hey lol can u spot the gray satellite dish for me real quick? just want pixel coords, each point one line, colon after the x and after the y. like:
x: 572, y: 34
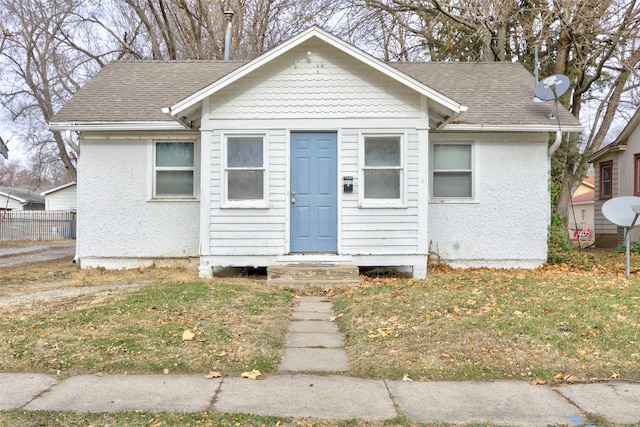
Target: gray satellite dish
x: 550, y: 88
x: 623, y: 211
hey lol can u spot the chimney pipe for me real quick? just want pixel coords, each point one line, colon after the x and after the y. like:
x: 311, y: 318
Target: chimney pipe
x: 227, y: 38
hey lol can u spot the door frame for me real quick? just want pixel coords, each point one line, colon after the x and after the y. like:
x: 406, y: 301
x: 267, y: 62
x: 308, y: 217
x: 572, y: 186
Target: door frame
x: 287, y: 200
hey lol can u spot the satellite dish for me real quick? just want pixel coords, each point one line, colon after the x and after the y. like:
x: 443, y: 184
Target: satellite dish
x: 621, y: 210
x: 552, y: 87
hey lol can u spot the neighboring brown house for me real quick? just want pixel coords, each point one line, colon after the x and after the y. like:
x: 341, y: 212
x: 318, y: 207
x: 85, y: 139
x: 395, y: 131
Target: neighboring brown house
x: 617, y: 173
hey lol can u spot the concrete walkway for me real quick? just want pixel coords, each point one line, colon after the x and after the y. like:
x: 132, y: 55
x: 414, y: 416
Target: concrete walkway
x: 314, y: 343
x: 307, y: 386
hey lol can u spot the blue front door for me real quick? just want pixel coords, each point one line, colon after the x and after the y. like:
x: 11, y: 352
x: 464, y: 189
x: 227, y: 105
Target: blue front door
x: 314, y: 199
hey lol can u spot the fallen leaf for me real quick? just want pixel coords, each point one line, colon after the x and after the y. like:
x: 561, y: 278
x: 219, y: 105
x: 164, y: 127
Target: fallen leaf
x: 615, y: 375
x: 165, y: 371
x: 254, y: 374
x: 537, y: 381
x: 333, y: 318
x: 406, y: 378
x: 213, y: 374
x: 188, y: 335
x: 99, y: 374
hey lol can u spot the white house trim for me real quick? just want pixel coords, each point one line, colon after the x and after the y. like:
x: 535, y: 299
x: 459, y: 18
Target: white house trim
x: 116, y: 126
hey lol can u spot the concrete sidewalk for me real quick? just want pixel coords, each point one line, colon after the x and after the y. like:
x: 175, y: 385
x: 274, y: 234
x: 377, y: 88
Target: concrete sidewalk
x: 514, y: 403
x: 308, y: 386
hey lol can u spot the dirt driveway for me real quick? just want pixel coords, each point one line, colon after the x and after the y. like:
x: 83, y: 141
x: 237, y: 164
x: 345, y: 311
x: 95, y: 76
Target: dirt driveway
x: 22, y: 253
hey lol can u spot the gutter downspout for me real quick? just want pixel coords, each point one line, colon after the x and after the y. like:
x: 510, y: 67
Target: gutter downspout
x: 556, y: 143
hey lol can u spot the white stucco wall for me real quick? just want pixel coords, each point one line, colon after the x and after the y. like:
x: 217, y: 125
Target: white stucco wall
x: 506, y: 224
x: 119, y: 225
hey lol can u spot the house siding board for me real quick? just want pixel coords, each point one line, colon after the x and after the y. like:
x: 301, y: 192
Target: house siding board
x: 64, y: 199
x: 249, y: 231
x: 504, y: 226
x: 130, y: 226
x: 9, y: 203
x: 330, y: 85
x: 608, y: 234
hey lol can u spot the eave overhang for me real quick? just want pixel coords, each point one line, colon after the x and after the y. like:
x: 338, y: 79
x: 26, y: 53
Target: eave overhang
x: 117, y: 126
x: 609, y: 149
x: 457, y: 127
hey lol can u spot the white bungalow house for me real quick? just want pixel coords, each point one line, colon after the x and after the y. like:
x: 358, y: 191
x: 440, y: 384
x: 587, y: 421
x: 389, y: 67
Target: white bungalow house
x: 617, y: 173
x: 314, y: 152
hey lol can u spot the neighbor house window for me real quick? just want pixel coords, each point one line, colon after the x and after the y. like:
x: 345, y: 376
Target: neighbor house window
x: 174, y: 169
x: 245, y: 171
x: 636, y: 174
x: 606, y: 180
x: 452, y: 171
x: 382, y: 168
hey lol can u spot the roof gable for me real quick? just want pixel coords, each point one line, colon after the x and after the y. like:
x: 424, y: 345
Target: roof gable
x: 445, y: 108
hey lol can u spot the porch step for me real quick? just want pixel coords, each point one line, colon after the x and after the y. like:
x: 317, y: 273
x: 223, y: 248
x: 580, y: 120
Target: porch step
x: 307, y: 276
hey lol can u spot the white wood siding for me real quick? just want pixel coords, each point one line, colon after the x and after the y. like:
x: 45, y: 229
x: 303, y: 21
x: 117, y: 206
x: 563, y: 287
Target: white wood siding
x: 378, y: 230
x: 9, y: 203
x: 246, y: 231
x: 318, y: 84
x: 362, y: 231
x: 313, y: 88
x: 62, y: 200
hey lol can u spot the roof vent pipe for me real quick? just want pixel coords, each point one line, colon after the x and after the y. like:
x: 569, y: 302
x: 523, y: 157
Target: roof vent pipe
x: 227, y: 37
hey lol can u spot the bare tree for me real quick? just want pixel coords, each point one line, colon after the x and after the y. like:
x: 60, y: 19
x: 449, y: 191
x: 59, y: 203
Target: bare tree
x: 47, y: 54
x: 195, y: 29
x: 594, y: 42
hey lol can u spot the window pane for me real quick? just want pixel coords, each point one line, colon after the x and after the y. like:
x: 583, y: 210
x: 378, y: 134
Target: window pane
x: 245, y: 185
x: 244, y: 152
x: 174, y: 183
x: 451, y: 156
x: 382, y: 151
x: 382, y: 184
x: 174, y: 154
x: 452, y: 184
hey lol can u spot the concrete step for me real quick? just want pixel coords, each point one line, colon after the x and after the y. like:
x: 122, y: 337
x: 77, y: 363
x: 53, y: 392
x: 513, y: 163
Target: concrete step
x: 307, y: 276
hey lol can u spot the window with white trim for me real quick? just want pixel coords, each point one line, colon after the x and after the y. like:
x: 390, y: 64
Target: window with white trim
x: 452, y: 171
x: 245, y: 173
x: 383, y: 168
x: 174, y: 170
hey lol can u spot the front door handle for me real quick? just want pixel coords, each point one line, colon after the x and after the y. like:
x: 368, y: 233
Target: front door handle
x: 293, y: 201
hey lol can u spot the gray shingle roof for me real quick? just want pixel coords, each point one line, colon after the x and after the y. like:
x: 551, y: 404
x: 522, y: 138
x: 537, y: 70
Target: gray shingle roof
x: 23, y: 196
x: 138, y: 90
x: 496, y: 93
